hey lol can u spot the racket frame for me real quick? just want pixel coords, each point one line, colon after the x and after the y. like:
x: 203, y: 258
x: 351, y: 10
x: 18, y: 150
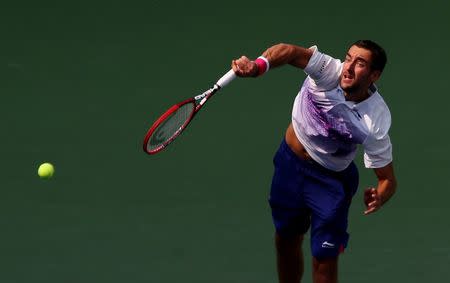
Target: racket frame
x: 198, y: 102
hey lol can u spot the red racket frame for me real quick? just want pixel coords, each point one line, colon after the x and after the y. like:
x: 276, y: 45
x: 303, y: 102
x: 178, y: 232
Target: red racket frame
x: 198, y: 101
x: 167, y: 114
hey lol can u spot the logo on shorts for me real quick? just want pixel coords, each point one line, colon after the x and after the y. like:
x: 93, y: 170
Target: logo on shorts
x: 327, y: 245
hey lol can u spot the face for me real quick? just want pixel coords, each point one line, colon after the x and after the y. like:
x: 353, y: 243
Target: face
x: 356, y: 73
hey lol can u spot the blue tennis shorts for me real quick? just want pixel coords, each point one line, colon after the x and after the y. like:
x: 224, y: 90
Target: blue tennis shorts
x: 305, y: 194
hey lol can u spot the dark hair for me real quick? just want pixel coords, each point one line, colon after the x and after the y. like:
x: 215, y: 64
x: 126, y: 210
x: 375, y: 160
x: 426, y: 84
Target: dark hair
x: 379, y: 58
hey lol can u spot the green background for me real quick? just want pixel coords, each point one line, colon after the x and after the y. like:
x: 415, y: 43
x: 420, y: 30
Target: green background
x: 80, y: 83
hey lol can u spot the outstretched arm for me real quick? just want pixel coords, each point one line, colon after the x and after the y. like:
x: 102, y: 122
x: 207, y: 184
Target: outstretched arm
x: 277, y: 55
x: 374, y: 198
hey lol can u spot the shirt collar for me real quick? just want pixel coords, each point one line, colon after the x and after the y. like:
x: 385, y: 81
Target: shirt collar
x: 372, y: 90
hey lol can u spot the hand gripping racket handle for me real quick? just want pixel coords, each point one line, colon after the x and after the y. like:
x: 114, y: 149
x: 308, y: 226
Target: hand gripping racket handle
x: 226, y: 79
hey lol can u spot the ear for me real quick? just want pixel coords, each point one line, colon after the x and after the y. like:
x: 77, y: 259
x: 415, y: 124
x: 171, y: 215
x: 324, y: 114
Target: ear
x: 375, y: 75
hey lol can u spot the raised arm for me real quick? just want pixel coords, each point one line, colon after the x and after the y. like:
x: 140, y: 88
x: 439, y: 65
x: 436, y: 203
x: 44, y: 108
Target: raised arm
x: 276, y: 55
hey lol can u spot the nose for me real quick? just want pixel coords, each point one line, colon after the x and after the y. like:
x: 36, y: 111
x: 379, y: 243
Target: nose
x: 350, y: 67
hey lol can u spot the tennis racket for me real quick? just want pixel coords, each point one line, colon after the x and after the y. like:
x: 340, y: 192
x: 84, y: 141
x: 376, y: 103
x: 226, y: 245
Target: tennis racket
x: 172, y: 123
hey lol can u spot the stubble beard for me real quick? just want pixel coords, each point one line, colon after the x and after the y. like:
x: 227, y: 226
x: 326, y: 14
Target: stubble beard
x: 353, y: 88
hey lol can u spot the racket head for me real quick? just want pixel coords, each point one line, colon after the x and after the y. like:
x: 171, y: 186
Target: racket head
x: 169, y: 126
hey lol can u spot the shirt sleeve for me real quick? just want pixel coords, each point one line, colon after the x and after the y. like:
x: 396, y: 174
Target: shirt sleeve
x: 378, y: 147
x: 323, y: 69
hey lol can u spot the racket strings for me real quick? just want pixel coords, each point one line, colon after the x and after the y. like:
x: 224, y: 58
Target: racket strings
x: 171, y: 126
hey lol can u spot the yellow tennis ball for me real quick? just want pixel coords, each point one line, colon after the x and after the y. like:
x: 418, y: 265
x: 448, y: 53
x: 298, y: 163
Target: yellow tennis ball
x: 46, y: 170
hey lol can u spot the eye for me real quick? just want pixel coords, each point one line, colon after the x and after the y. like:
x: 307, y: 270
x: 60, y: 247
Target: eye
x: 361, y: 64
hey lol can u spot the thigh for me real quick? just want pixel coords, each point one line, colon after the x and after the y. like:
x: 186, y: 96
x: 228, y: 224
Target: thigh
x: 350, y: 180
x: 329, y: 202
x: 288, y: 180
x: 289, y: 213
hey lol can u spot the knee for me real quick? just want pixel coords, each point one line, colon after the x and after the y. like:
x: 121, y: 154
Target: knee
x: 325, y: 268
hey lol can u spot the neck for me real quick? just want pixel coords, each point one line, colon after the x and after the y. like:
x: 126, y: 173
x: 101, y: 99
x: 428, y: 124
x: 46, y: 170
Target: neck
x: 357, y: 96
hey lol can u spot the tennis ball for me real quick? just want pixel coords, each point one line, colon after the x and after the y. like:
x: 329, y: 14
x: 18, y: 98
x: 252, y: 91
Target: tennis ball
x: 46, y: 170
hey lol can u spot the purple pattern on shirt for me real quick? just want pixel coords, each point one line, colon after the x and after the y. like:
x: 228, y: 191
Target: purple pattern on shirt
x: 319, y: 122
x: 328, y: 124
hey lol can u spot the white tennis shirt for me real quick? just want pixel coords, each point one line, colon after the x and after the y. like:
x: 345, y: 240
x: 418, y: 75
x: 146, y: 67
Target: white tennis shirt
x: 330, y: 128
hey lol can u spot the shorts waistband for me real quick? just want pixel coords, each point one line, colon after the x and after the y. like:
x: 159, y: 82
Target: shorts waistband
x: 307, y: 162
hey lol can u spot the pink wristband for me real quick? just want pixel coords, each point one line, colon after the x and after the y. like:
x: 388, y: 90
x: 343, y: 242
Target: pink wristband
x: 263, y: 65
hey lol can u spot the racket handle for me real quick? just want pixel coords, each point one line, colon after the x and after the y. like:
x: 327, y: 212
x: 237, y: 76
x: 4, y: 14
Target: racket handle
x: 226, y: 79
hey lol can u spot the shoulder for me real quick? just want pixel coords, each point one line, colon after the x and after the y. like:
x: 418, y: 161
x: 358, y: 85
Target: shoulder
x: 323, y: 70
x: 381, y: 107
x: 321, y: 63
x: 379, y: 116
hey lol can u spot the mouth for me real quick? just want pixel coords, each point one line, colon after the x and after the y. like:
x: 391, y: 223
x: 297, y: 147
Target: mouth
x: 347, y: 78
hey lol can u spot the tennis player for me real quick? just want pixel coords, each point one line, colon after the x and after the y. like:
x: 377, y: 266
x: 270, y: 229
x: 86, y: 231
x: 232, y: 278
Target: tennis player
x: 315, y: 178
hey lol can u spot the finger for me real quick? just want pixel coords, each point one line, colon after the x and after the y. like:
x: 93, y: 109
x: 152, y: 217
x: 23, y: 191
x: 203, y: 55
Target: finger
x: 245, y: 59
x: 373, y: 204
x: 368, y: 197
x: 368, y: 191
x: 236, y: 68
x: 233, y: 65
x: 370, y: 210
